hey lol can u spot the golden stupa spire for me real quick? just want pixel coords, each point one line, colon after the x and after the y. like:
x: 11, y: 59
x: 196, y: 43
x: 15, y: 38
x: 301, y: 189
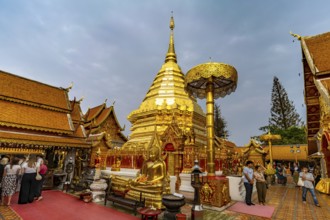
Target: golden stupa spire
x: 171, y: 56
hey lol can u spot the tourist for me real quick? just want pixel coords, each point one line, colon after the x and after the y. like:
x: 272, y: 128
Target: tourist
x: 42, y: 171
x: 279, y: 174
x: 3, y: 163
x: 9, y: 180
x: 261, y: 183
x: 22, y: 162
x: 285, y: 174
x: 248, y: 181
x: 308, y: 179
x: 28, y: 184
x: 295, y: 174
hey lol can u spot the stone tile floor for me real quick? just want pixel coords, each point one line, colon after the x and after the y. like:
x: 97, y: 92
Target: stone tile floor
x: 286, y: 199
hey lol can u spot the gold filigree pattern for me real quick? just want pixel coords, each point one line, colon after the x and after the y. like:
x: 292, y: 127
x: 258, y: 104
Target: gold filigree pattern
x: 224, y: 79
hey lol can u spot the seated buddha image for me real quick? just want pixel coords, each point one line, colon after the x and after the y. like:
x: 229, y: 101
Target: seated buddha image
x: 153, y: 181
x: 153, y: 171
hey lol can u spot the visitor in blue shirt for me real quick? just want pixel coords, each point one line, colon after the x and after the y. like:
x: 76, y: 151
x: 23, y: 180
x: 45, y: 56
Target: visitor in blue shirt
x: 248, y: 181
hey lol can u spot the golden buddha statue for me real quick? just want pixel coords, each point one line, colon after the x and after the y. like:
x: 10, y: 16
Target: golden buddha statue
x: 116, y: 165
x: 152, y: 181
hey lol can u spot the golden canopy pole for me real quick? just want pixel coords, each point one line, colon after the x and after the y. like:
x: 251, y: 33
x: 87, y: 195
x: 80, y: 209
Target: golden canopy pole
x: 270, y: 151
x: 270, y: 137
x: 210, y: 127
x: 211, y: 81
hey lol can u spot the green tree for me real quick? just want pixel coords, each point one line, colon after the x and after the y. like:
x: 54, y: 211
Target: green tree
x: 283, y: 112
x: 220, y: 124
x: 291, y: 135
x: 284, y: 119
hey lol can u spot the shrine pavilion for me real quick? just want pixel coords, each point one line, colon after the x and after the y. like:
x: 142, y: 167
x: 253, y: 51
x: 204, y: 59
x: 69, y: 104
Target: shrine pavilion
x: 104, y: 132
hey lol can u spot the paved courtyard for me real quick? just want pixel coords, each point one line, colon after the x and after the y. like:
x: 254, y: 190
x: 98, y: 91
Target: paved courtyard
x: 287, y: 201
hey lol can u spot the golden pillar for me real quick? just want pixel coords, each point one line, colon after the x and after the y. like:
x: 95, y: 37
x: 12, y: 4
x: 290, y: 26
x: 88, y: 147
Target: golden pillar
x: 211, y: 81
x: 270, y: 137
x: 210, y: 127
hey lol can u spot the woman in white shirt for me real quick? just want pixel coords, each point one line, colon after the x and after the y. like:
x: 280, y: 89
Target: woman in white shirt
x: 9, y: 180
x: 28, y: 184
x: 261, y: 183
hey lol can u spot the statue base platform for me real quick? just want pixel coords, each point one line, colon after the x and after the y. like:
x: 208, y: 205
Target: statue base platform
x: 132, y: 174
x: 185, y: 183
x: 237, y: 189
x: 126, y: 173
x: 215, y: 191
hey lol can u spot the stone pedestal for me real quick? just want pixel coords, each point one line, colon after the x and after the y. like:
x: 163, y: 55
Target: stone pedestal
x: 98, y: 188
x: 186, y: 183
x: 215, y: 191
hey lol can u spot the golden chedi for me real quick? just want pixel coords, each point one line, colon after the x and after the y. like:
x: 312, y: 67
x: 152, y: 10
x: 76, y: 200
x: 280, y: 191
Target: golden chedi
x: 153, y: 180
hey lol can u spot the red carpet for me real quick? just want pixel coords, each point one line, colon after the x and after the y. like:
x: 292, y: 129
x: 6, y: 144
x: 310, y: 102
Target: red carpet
x: 258, y: 210
x: 57, y: 205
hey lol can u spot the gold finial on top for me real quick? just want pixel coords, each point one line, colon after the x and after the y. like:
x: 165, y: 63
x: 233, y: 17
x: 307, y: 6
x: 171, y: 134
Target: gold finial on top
x: 171, y: 51
x: 172, y: 22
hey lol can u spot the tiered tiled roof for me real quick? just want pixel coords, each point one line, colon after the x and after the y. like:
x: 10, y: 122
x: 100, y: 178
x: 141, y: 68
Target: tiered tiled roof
x: 31, y: 92
x: 33, y: 118
x: 96, y: 117
x: 76, y: 113
x: 38, y: 114
x: 92, y: 113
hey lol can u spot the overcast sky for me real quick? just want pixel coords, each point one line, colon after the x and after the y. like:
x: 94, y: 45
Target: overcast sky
x: 114, y: 49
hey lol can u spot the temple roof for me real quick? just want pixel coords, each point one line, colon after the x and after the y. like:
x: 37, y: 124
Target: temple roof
x: 318, y: 47
x: 92, y: 113
x: 97, y: 116
x: 42, y: 139
x: 32, y: 118
x: 316, y: 67
x: 76, y: 113
x: 19, y: 89
x: 34, y: 113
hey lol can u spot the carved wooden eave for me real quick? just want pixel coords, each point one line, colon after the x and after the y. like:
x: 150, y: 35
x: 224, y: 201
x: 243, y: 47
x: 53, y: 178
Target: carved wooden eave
x: 311, y: 91
x: 95, y: 139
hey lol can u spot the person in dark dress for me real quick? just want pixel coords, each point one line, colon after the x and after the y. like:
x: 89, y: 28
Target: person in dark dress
x: 42, y: 171
x: 28, y: 184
